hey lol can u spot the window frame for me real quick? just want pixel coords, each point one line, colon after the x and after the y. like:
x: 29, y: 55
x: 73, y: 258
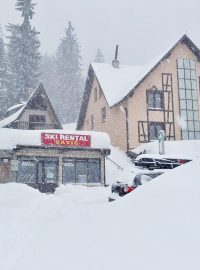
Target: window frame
x: 103, y: 115
x: 155, y: 124
x: 188, y: 97
x: 77, y: 162
x: 153, y: 93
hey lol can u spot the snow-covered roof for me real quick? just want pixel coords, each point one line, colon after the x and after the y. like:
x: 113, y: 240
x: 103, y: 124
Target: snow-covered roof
x: 14, y: 117
x: 15, y: 106
x: 6, y: 121
x: 10, y: 138
x: 116, y: 82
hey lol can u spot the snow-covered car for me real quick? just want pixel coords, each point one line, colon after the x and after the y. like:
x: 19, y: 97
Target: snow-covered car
x: 160, y: 161
x: 119, y: 189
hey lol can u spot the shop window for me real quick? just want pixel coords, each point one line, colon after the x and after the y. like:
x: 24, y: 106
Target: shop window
x: 93, y: 171
x: 154, y: 128
x: 155, y: 99
x: 81, y: 171
x: 103, y: 115
x: 27, y: 171
x: 39, y: 170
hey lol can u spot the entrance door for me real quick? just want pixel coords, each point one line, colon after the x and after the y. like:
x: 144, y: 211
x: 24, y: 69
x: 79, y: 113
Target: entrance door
x: 48, y: 171
x: 69, y: 172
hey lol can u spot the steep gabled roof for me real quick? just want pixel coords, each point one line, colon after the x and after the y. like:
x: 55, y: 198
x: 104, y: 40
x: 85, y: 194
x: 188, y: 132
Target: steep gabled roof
x: 16, y: 116
x: 118, y: 84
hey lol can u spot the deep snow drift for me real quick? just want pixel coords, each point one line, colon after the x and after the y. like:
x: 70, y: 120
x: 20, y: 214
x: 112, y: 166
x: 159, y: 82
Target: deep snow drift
x: 155, y: 227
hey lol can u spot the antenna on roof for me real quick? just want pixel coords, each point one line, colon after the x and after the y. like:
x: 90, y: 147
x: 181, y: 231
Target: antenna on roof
x: 115, y: 62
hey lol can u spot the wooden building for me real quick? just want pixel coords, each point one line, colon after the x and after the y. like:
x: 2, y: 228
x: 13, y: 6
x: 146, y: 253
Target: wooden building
x: 133, y: 103
x: 36, y: 113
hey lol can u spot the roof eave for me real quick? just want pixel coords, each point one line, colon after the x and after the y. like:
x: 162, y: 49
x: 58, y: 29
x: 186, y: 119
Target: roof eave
x: 184, y: 38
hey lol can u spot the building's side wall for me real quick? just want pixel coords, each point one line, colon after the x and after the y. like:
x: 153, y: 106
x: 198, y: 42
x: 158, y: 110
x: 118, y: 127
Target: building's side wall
x: 115, y: 123
x: 137, y: 106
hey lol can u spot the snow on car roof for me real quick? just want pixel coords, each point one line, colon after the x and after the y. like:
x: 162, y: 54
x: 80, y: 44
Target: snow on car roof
x: 188, y: 149
x: 10, y: 138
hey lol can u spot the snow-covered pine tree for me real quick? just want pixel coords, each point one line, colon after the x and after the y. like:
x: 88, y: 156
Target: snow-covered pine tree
x: 3, y: 76
x: 48, y: 75
x: 99, y: 58
x: 69, y: 78
x: 23, y: 51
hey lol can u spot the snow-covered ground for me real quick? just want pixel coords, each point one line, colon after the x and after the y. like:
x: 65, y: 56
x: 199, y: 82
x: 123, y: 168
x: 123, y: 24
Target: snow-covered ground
x: 155, y: 227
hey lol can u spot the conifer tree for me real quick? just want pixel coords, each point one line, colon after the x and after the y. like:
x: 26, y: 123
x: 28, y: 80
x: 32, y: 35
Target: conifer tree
x: 69, y: 78
x: 99, y: 58
x: 23, y: 51
x: 3, y: 76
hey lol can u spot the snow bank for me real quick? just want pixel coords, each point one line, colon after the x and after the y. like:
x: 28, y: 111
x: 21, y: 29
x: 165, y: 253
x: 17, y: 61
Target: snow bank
x: 9, y: 138
x: 119, y: 166
x: 179, y: 149
x: 154, y: 227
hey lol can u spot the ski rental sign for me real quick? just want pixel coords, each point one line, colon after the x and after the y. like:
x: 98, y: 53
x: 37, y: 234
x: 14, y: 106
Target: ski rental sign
x: 67, y: 140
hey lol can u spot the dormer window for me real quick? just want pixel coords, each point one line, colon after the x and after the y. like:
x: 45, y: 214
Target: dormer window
x: 155, y: 99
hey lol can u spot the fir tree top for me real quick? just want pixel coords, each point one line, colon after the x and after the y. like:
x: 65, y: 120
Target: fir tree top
x: 99, y: 58
x: 26, y: 7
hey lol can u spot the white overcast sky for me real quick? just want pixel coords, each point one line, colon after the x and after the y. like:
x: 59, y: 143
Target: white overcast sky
x: 142, y: 28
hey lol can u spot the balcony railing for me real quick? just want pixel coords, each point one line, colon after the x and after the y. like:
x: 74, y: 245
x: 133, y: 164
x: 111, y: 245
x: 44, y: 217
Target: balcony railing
x: 33, y: 125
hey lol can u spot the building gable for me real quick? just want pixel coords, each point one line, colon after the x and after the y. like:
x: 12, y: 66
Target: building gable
x: 37, y: 113
x: 127, y: 87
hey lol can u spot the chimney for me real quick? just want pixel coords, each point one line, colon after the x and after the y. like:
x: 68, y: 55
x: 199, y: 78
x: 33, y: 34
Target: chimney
x: 115, y: 62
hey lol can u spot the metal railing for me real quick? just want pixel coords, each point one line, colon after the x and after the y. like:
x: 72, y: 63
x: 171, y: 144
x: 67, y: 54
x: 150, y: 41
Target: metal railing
x: 119, y: 167
x: 33, y: 125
